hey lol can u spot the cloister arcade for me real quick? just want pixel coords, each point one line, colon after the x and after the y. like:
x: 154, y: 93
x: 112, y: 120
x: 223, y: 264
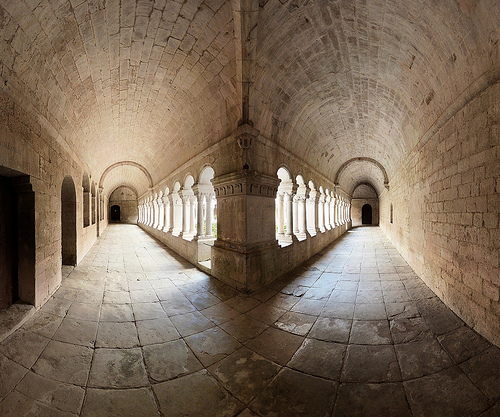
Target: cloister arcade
x: 188, y: 209
x: 303, y: 211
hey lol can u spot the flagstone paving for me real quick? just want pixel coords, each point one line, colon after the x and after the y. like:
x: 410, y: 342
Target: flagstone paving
x: 135, y: 330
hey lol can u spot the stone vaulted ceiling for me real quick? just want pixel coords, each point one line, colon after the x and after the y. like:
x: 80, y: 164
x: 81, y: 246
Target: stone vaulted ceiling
x: 156, y: 82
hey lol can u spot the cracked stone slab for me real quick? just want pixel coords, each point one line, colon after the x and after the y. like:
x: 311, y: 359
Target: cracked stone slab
x: 206, y: 397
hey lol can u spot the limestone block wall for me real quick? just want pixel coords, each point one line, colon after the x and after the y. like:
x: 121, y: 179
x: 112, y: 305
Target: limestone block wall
x: 31, y: 148
x: 446, y: 204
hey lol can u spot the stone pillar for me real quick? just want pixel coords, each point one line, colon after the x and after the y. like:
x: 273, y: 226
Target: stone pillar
x: 287, y: 200
x: 161, y: 213
x: 156, y: 207
x: 192, y: 217
x: 186, y: 214
x: 327, y: 212
x: 86, y: 208
x: 337, y: 205
x: 321, y: 213
x: 177, y: 215
x: 295, y: 215
x: 332, y: 211
x: 244, y: 254
x: 209, y: 214
x: 312, y: 213
x: 167, y: 225
x: 201, y: 198
x: 279, y: 211
x: 302, y: 215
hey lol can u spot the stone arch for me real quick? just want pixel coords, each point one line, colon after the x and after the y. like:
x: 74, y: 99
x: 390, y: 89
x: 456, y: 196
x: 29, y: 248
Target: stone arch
x: 93, y: 204
x: 362, y: 159
x: 86, y: 199
x: 122, y: 163
x: 207, y: 205
x: 68, y: 221
x: 367, y: 184
x: 206, y: 174
x: 177, y: 209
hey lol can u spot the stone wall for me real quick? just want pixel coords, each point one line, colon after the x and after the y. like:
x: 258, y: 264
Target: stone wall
x: 32, y: 150
x: 446, y: 200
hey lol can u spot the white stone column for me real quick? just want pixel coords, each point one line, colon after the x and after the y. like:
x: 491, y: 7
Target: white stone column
x: 287, y: 201
x: 177, y: 215
x: 332, y: 211
x: 166, y: 214
x: 186, y: 214
x: 295, y: 215
x: 279, y: 214
x: 321, y: 213
x: 312, y: 213
x: 302, y: 217
x: 337, y: 211
x: 192, y: 217
x: 161, y: 213
x: 156, y: 209
x: 201, y: 198
x: 327, y: 212
x: 209, y: 215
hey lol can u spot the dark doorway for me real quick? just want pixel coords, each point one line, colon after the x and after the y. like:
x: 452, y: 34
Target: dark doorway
x: 68, y: 221
x: 366, y: 214
x: 115, y: 213
x: 8, y: 244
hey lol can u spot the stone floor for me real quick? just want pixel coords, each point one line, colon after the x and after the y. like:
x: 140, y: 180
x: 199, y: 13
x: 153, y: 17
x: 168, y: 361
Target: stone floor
x: 134, y: 330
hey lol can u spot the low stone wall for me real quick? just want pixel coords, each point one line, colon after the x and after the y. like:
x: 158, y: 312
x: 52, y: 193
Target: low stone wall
x: 270, y: 263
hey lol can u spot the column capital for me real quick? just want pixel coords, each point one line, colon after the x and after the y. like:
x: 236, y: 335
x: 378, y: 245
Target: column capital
x: 245, y: 182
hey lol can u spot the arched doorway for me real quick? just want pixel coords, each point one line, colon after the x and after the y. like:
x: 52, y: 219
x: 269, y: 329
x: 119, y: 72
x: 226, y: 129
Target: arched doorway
x: 68, y: 221
x: 8, y: 244
x: 115, y: 213
x: 366, y: 214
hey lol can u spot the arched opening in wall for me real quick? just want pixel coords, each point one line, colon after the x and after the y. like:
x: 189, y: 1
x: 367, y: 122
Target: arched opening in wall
x: 17, y: 238
x: 311, y: 219
x: 366, y: 214
x: 299, y: 204
x: 206, y: 216
x: 93, y: 214
x: 284, y: 208
x: 123, y: 205
x: 68, y: 221
x: 190, y: 205
x: 115, y: 213
x: 8, y: 243
x: 86, y: 199
x: 177, y: 210
x: 364, y: 194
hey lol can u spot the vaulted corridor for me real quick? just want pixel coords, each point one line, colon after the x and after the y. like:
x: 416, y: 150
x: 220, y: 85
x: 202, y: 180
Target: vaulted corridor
x: 134, y: 330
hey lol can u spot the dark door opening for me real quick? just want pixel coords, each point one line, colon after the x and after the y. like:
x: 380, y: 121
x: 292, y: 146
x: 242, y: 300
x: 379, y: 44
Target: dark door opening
x: 8, y: 244
x: 366, y: 214
x: 68, y: 221
x: 115, y: 213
